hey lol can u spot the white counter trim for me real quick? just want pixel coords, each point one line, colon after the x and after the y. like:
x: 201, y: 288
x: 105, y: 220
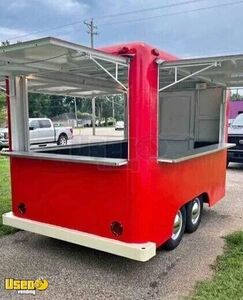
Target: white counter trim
x: 116, y: 162
x: 202, y: 151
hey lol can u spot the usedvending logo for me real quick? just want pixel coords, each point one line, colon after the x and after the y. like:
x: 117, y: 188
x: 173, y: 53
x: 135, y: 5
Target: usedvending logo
x: 24, y: 286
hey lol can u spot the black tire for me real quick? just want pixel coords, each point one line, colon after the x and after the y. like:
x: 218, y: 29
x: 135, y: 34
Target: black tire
x: 62, y: 140
x: 175, y: 239
x: 194, y: 214
x: 1, y: 148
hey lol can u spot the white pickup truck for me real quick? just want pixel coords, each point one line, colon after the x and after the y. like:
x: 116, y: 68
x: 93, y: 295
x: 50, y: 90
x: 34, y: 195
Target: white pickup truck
x: 42, y: 132
x: 235, y: 136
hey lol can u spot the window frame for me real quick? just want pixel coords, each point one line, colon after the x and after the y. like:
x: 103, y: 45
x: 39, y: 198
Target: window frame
x: 21, y: 148
x: 44, y: 120
x: 30, y: 125
x: 205, y: 150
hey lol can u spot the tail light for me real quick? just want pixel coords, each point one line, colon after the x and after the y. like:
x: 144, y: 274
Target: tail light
x: 71, y: 130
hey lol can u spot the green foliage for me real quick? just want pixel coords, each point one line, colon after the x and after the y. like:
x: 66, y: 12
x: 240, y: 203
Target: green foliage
x: 236, y: 97
x: 5, y: 43
x: 5, y: 203
x: 49, y: 106
x: 3, y: 115
x: 106, y: 107
x: 228, y: 280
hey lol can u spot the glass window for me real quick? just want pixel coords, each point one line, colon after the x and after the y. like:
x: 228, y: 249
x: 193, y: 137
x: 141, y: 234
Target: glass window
x: 34, y: 124
x: 79, y: 126
x: 45, y: 123
x: 238, y: 120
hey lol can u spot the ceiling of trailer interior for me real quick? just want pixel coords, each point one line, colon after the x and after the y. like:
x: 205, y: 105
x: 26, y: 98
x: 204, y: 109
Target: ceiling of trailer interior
x: 226, y: 71
x: 53, y: 66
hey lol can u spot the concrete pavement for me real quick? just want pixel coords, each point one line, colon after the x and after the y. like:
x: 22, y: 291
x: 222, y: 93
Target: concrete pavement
x: 76, y: 272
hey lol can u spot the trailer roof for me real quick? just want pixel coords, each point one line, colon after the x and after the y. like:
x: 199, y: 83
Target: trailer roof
x: 225, y: 71
x: 58, y: 67
x: 54, y: 66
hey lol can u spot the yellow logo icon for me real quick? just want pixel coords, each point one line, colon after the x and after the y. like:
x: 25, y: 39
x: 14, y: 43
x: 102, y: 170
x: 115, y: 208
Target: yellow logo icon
x: 24, y: 286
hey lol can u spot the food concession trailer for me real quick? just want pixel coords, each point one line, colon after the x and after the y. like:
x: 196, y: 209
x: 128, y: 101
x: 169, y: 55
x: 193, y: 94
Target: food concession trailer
x: 125, y: 197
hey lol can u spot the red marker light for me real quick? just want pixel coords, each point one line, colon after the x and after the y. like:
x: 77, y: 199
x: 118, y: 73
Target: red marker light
x: 124, y: 50
x: 155, y: 52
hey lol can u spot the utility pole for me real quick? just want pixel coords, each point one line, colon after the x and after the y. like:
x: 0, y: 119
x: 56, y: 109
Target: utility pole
x: 75, y: 109
x: 93, y: 115
x: 113, y: 108
x: 92, y: 30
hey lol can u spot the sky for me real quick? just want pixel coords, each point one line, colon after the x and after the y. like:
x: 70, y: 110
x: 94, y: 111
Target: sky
x: 186, y: 30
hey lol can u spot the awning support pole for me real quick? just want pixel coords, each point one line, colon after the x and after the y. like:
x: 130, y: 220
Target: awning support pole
x: 223, y: 108
x: 109, y: 73
x: 203, y: 78
x: 116, y: 71
x: 75, y: 109
x: 93, y: 115
x: 186, y: 77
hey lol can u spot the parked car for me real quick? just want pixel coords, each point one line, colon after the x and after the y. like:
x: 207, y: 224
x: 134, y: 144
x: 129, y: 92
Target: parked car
x: 42, y: 131
x: 235, y: 136
x: 99, y: 123
x: 119, y: 125
x: 230, y: 121
x: 3, y: 138
x: 84, y: 123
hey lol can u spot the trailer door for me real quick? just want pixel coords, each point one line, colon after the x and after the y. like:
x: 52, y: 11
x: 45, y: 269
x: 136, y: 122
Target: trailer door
x: 176, y: 130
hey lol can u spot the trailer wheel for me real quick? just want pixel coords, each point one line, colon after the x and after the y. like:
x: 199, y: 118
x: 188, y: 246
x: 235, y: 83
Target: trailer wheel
x: 62, y: 140
x: 194, y: 214
x: 178, y: 230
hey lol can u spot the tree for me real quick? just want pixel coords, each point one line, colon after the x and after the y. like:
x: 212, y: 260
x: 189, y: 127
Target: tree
x: 236, y: 96
x: 48, y: 106
x: 5, y: 43
x: 3, y: 110
x: 112, y: 106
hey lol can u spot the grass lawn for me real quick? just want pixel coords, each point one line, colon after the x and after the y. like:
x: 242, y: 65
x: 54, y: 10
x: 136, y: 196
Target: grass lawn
x: 5, y: 204
x: 228, y: 280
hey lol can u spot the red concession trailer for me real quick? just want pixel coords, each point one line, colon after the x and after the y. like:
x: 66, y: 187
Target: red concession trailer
x: 126, y: 197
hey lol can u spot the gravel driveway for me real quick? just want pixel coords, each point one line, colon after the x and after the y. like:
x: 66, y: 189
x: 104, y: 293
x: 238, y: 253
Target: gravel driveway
x: 76, y: 272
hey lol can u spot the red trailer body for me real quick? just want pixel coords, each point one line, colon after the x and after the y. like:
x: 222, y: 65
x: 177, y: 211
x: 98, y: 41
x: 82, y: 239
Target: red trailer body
x: 142, y: 196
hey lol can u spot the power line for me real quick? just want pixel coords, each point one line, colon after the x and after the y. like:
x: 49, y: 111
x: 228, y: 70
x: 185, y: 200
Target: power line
x: 151, y: 8
x: 134, y: 12
x: 173, y: 13
x: 92, y: 30
x: 162, y: 15
x: 109, y: 16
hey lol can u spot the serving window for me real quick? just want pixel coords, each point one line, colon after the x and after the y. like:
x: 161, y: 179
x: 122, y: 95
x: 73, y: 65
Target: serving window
x: 65, y: 101
x: 191, y: 111
x: 94, y: 127
x: 189, y: 120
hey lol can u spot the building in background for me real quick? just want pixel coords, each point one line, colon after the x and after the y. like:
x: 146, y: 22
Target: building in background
x: 235, y: 108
